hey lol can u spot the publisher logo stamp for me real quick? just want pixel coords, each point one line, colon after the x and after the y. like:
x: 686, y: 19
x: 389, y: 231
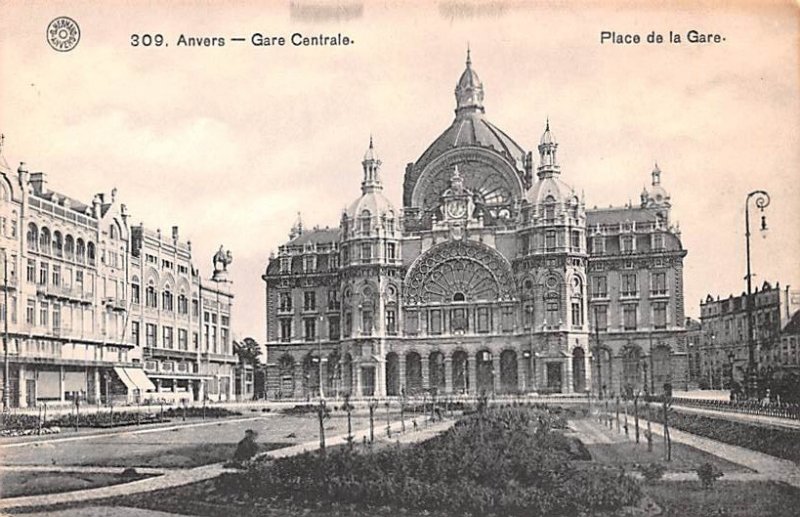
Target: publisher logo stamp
x: 63, y: 34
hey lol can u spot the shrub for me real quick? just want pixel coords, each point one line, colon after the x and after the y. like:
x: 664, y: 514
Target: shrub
x: 708, y: 474
x: 652, y: 472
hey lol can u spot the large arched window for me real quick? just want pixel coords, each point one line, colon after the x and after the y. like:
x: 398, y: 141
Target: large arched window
x: 167, y: 299
x: 90, y: 254
x: 44, y: 240
x: 80, y: 251
x: 58, y: 244
x: 183, y: 304
x: 151, y: 298
x: 32, y: 237
x: 69, y: 247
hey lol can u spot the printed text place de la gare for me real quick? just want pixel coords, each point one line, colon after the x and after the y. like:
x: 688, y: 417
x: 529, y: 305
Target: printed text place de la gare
x: 691, y: 36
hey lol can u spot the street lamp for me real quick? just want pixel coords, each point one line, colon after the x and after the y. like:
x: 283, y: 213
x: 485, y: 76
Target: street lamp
x: 761, y: 201
x: 531, y: 365
x: 599, y: 357
x: 319, y: 349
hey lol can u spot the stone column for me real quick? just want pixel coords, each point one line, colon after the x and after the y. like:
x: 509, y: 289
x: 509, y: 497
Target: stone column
x: 425, y: 372
x: 22, y: 390
x: 496, y: 373
x: 95, y: 386
x: 448, y: 374
x: 472, y: 374
x: 587, y: 368
x: 380, y: 377
x: 201, y: 390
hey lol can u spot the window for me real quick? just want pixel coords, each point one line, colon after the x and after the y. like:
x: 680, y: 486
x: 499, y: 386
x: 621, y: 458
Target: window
x: 286, y: 330
x: 183, y: 304
x: 508, y: 319
x: 599, y: 287
x: 348, y: 323
x: 79, y: 280
x: 309, y: 263
x: 550, y: 241
x: 151, y: 297
x: 626, y: 244
x: 391, y: 322
x: 598, y: 244
x: 56, y: 317
x: 629, y: 316
x: 310, y: 329
x: 629, y: 284
x: 167, y: 331
x: 286, y: 265
x: 435, y: 321
x: 150, y: 334
x: 30, y: 312
x: 166, y: 264
x: 575, y: 240
x: 366, y: 322
x: 333, y: 327
x: 285, y: 302
x: 43, y: 273
x: 577, y: 313
x: 136, y: 294
x: 43, y: 313
x: 658, y: 283
x: 309, y: 301
x: 601, y: 318
x: 167, y: 300
x: 56, y: 275
x: 32, y: 237
x: 550, y: 212
x: 552, y: 310
x: 195, y: 308
x: 31, y: 271
x: 458, y: 320
x: 333, y: 300
x: 484, y: 324
x: 135, y: 333
x: 365, y: 222
x: 366, y: 252
x: 195, y: 340
x: 390, y: 253
x: 660, y: 316
x: 527, y: 315
x: 412, y: 323
x: 657, y: 241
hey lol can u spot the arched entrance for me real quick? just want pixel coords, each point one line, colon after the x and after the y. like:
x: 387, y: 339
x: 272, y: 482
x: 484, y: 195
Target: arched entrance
x: 508, y: 372
x: 484, y: 372
x: 436, y: 371
x: 578, y: 370
x: 460, y: 375
x: 392, y: 374
x: 286, y: 376
x: 631, y: 374
x: 413, y: 373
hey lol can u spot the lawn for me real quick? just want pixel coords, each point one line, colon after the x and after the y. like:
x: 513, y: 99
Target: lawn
x: 728, y: 498
x: 181, y: 457
x: 684, y: 458
x: 25, y: 483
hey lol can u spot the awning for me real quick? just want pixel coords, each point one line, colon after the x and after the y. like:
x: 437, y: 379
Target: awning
x: 134, y: 379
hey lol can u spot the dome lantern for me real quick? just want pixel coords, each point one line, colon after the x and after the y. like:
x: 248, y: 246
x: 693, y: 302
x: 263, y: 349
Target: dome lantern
x: 469, y: 90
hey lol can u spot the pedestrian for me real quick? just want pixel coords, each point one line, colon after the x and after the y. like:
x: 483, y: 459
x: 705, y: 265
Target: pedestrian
x: 246, y: 448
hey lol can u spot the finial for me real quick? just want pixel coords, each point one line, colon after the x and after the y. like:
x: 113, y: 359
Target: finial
x: 547, y: 125
x: 469, y: 59
x: 370, y: 140
x: 2, y: 139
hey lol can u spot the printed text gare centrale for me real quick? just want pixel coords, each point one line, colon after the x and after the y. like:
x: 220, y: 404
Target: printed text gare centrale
x: 259, y: 39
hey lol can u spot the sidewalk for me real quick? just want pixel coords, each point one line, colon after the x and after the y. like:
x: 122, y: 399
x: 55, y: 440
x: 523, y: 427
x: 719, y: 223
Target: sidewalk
x: 172, y: 478
x: 786, y: 423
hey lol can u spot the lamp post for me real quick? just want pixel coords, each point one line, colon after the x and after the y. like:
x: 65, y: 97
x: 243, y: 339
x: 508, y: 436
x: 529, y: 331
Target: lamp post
x: 599, y: 357
x: 6, y: 383
x: 761, y: 201
x: 319, y: 350
x: 531, y: 365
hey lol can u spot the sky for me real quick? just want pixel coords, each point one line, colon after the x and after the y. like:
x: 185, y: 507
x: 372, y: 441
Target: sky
x: 230, y: 143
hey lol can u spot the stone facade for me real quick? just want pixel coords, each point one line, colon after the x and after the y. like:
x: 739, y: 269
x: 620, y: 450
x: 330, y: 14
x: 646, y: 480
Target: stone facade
x: 488, y: 280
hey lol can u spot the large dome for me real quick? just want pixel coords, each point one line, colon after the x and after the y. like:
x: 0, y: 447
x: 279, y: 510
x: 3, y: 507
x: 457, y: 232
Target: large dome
x: 551, y: 187
x: 374, y: 202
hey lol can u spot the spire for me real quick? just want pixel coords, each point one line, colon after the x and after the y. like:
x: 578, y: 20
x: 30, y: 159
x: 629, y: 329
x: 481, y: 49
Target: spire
x: 297, y: 229
x: 371, y: 165
x: 656, y: 175
x: 469, y: 90
x: 548, y: 164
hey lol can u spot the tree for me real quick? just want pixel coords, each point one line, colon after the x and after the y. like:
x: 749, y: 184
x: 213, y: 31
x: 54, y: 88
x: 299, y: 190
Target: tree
x: 248, y: 350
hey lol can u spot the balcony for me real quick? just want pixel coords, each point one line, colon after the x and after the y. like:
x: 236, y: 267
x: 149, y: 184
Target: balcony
x: 116, y: 304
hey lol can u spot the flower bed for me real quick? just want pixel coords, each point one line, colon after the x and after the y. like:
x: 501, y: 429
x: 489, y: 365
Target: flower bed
x: 501, y: 462
x: 782, y: 443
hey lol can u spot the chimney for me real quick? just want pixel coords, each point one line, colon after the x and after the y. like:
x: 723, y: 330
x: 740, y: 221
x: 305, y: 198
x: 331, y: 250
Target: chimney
x: 39, y: 182
x: 174, y: 233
